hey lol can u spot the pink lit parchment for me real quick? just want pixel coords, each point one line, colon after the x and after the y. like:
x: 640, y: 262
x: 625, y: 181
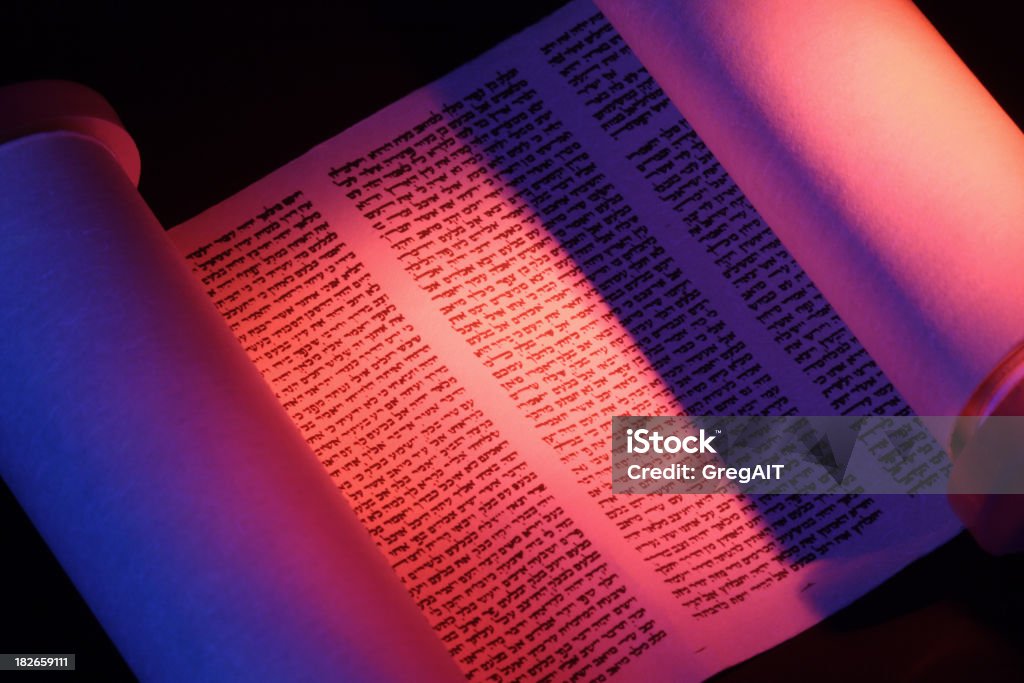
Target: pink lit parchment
x: 149, y: 453
x: 454, y: 297
x: 447, y: 304
x: 876, y: 156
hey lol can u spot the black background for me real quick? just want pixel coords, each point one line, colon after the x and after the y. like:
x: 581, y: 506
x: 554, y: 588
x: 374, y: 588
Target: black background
x: 217, y: 96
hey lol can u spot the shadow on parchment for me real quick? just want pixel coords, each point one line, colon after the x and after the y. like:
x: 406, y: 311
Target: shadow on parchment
x: 502, y: 139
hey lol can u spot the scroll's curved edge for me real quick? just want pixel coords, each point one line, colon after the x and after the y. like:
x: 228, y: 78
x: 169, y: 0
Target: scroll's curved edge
x: 37, y: 107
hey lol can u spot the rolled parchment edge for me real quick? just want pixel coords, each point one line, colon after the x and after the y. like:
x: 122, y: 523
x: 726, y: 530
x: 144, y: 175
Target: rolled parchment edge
x: 50, y: 106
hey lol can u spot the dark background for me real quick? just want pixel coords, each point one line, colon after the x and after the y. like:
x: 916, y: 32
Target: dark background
x: 219, y: 96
